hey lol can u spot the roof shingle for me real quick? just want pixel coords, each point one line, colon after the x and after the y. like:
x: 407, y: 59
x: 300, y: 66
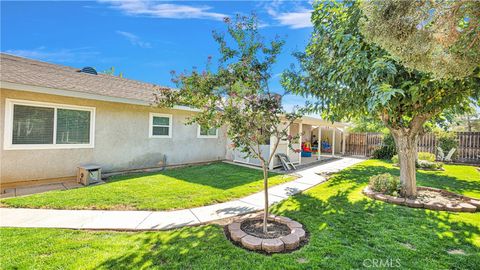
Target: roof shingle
x: 25, y: 71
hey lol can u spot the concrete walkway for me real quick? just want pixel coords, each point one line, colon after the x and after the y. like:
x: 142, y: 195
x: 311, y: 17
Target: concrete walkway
x: 162, y: 220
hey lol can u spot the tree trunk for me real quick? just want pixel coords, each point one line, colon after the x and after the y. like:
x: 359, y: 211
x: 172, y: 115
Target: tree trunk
x: 265, y: 191
x: 407, y: 155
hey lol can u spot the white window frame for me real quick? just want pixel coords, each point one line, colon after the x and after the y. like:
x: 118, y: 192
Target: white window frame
x: 150, y: 125
x: 206, y: 136
x: 8, y: 134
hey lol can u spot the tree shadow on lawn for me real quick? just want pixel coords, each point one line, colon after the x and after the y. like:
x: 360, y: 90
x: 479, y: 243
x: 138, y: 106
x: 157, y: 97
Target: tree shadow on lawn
x: 344, y: 234
x: 218, y: 175
x: 359, y: 176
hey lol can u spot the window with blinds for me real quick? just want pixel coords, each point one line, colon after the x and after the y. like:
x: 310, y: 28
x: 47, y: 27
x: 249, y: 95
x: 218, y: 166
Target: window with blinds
x: 48, y: 125
x: 33, y: 125
x: 73, y: 126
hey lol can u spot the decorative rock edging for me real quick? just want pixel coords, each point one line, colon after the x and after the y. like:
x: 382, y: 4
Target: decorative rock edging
x: 285, y: 243
x: 468, y: 205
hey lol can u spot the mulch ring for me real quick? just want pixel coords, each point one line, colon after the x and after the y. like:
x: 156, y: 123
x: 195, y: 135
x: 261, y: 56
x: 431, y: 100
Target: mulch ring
x: 430, y: 198
x: 284, y: 235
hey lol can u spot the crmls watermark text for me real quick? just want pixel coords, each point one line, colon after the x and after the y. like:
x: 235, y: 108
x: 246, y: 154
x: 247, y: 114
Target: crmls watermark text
x: 382, y: 263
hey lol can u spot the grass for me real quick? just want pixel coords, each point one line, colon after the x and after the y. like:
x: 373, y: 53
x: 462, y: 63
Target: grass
x: 347, y: 230
x: 173, y: 189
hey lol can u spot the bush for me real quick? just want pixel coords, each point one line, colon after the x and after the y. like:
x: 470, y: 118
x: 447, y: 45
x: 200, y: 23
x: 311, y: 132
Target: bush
x: 425, y: 164
x: 395, y: 159
x: 387, y: 150
x: 426, y: 156
x: 385, y: 183
x: 447, y: 141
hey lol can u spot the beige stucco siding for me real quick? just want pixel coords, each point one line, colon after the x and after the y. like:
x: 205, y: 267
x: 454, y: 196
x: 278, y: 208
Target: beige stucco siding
x: 121, y: 141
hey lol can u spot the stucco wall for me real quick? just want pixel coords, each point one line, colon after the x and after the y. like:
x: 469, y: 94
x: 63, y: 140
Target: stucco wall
x: 121, y: 142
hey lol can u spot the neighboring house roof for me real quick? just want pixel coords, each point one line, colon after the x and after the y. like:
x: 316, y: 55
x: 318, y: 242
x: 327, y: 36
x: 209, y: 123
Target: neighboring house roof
x: 23, y: 71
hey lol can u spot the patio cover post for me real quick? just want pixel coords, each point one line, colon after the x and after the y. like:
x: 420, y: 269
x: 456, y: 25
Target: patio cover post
x: 319, y: 140
x: 343, y: 142
x: 333, y: 142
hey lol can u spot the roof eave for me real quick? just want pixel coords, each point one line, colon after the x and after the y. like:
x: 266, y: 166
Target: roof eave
x: 77, y: 94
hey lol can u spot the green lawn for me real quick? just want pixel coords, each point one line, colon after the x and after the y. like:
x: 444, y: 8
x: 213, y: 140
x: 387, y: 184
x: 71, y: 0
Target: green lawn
x: 172, y: 189
x: 347, y: 231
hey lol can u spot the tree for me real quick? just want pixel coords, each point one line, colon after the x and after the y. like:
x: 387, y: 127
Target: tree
x: 236, y: 94
x: 111, y: 71
x: 442, y: 37
x: 346, y: 76
x: 367, y: 123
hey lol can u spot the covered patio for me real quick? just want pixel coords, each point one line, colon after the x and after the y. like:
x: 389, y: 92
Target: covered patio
x: 318, y: 140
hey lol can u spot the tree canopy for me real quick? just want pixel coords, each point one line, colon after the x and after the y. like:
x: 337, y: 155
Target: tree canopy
x: 344, y: 76
x: 442, y: 37
x: 349, y: 76
x: 235, y: 94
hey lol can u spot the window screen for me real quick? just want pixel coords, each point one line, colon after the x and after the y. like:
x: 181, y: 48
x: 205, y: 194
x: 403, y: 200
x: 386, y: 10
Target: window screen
x: 161, y: 126
x: 38, y: 125
x: 32, y: 125
x: 73, y: 126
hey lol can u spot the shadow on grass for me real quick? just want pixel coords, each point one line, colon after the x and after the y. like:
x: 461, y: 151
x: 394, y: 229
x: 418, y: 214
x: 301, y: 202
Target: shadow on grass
x: 344, y: 234
x: 359, y: 176
x: 219, y: 175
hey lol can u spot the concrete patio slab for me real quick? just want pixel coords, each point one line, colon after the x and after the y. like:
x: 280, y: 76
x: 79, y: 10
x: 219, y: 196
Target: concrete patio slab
x: 72, y: 185
x: 20, y: 191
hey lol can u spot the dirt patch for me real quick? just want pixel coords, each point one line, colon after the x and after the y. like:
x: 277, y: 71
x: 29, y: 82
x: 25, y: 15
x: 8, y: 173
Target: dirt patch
x: 429, y: 196
x: 274, y: 229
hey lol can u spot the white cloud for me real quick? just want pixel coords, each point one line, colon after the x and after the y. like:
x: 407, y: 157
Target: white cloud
x: 134, y: 39
x: 77, y: 55
x: 165, y: 10
x: 295, y: 20
x: 299, y: 18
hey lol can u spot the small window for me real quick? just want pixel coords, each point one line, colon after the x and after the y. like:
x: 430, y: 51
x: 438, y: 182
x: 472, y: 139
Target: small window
x: 204, y: 132
x: 39, y: 125
x: 160, y: 125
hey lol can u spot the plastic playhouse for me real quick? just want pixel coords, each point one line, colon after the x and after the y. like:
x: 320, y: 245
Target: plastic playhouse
x: 326, y: 147
x: 306, y: 149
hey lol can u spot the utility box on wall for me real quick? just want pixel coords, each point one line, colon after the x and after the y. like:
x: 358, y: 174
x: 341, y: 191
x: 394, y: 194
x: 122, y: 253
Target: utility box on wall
x: 89, y: 174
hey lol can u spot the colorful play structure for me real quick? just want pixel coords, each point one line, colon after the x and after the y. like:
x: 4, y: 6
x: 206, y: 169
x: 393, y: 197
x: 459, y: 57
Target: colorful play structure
x: 307, y: 148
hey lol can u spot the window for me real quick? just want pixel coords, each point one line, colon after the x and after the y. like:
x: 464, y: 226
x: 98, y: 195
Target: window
x: 39, y: 125
x: 207, y: 132
x: 160, y: 125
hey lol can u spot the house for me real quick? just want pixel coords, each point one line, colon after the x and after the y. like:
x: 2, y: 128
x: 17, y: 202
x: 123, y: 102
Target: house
x: 55, y: 118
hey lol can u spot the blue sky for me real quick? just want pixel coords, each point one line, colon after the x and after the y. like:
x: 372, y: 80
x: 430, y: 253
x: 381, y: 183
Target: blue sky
x: 144, y: 40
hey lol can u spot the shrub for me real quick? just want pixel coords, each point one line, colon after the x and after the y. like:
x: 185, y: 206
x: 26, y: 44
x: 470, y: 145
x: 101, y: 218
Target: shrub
x: 425, y: 164
x: 395, y: 159
x: 426, y: 156
x: 387, y: 150
x: 385, y: 183
x: 447, y: 141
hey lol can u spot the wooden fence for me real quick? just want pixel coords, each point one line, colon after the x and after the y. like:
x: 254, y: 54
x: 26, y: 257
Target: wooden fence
x: 363, y: 144
x: 468, y: 151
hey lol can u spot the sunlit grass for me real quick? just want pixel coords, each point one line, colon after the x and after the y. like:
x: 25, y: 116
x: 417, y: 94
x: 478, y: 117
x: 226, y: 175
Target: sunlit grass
x: 171, y: 189
x: 347, y: 230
